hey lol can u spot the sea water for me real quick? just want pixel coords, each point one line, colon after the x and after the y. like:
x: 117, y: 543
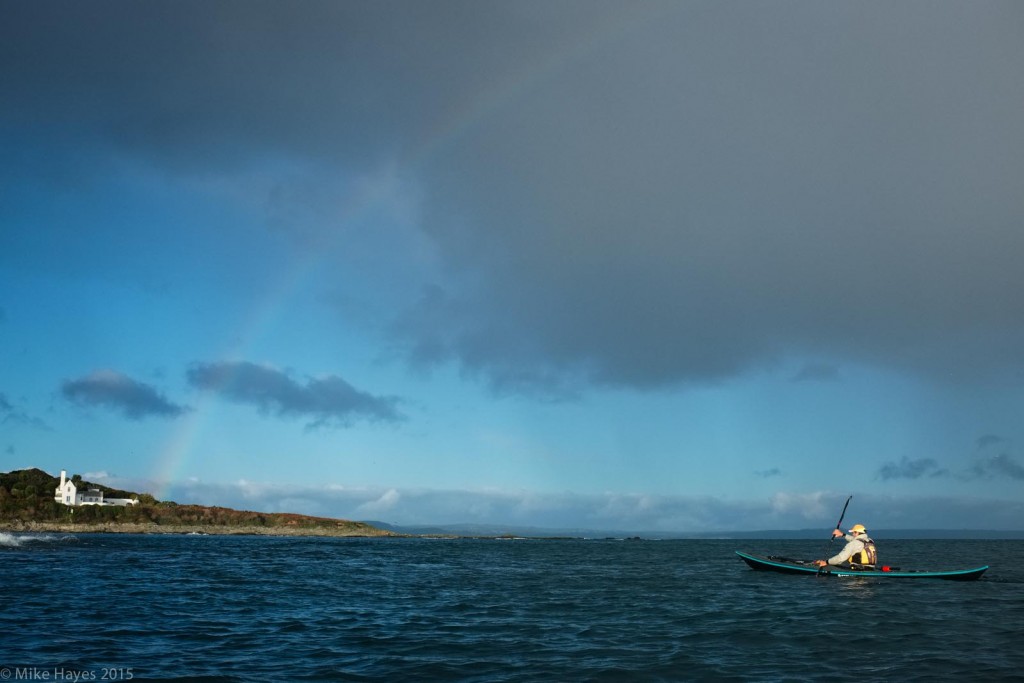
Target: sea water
x: 227, y: 608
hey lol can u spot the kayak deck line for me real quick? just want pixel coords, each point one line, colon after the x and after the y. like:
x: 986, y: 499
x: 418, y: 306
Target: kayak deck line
x: 787, y: 565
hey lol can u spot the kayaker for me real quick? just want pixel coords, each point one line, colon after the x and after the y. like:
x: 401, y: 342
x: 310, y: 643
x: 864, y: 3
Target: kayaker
x: 859, y: 550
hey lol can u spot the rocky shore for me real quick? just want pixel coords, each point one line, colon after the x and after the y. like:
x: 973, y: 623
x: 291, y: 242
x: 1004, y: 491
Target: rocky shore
x: 341, y: 529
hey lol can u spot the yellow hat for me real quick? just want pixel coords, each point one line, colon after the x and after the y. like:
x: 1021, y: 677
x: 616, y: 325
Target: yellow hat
x: 858, y: 529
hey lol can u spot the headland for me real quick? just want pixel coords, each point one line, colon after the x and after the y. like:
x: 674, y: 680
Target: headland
x: 28, y: 504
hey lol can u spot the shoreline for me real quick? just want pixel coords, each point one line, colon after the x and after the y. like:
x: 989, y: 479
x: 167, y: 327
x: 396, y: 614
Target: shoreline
x: 353, y: 531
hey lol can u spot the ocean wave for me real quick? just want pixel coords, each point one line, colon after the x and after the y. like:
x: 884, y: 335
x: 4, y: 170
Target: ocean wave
x: 9, y: 540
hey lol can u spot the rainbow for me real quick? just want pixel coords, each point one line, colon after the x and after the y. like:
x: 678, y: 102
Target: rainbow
x: 171, y: 463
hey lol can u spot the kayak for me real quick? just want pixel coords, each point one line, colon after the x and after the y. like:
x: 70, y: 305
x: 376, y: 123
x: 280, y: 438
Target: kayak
x: 787, y: 565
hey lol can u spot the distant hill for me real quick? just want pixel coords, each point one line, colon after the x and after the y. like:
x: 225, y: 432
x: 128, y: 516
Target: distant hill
x: 26, y: 501
x: 490, y: 530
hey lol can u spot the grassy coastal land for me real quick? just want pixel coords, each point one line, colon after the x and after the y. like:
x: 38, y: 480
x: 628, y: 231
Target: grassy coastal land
x: 27, y: 504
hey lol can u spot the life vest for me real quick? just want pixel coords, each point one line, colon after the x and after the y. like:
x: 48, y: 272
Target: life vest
x: 867, y: 556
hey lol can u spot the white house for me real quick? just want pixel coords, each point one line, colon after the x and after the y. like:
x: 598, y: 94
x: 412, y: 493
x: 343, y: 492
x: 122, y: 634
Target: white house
x: 68, y: 494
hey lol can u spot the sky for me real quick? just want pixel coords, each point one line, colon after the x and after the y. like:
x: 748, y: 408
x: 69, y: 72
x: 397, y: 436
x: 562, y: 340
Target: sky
x: 678, y: 266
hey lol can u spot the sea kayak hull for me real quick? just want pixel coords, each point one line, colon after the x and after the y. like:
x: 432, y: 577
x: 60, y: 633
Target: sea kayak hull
x: 786, y: 565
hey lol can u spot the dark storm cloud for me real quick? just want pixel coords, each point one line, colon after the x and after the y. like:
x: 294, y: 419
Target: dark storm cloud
x: 111, y: 389
x: 329, y: 401
x: 203, y: 85
x: 635, y: 196
x: 729, y: 191
x: 910, y: 469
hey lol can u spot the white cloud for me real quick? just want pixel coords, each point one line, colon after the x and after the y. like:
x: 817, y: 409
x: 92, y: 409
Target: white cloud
x: 605, y: 511
x: 387, y: 501
x: 806, y: 505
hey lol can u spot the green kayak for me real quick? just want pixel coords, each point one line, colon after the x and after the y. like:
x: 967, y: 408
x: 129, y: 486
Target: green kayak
x: 787, y: 565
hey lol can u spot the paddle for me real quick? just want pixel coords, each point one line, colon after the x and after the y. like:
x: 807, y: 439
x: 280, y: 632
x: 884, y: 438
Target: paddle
x: 839, y: 525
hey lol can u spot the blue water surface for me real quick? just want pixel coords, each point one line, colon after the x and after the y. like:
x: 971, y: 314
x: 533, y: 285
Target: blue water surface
x: 227, y: 608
